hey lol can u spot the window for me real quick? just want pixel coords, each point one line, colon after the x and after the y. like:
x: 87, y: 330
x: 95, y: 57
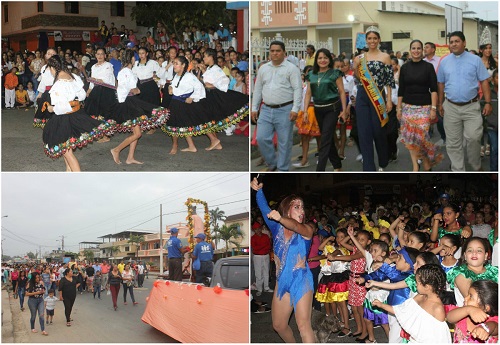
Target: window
x: 118, y: 9
x: 442, y: 33
x: 71, y: 7
x: 345, y: 45
x: 401, y: 35
x: 235, y: 277
x: 127, y: 249
x: 40, y: 6
x: 5, y: 13
x: 283, y: 7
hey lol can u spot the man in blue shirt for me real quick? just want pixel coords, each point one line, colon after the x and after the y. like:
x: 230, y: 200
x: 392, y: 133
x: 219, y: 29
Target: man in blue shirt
x: 458, y: 77
x: 205, y: 253
x: 117, y: 65
x: 175, y: 256
x: 223, y: 33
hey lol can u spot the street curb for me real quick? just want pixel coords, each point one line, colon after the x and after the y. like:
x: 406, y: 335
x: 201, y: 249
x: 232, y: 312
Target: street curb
x: 13, y: 328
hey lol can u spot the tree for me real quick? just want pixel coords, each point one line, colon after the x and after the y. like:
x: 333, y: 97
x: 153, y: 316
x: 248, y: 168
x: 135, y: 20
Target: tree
x: 230, y: 234
x: 137, y: 240
x: 216, y: 216
x: 89, y: 255
x: 176, y: 15
x: 30, y: 255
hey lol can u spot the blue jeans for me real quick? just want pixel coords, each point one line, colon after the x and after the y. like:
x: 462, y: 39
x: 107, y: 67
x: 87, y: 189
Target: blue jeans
x: 128, y: 288
x: 36, y: 304
x: 47, y: 287
x: 97, y: 289
x: 270, y: 121
x: 21, y: 292
x: 493, y: 137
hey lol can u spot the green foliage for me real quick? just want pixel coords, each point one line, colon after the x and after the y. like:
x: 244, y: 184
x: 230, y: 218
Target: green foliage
x: 216, y: 216
x: 176, y: 15
x: 30, y: 255
x: 88, y: 254
x: 230, y: 234
x: 137, y: 240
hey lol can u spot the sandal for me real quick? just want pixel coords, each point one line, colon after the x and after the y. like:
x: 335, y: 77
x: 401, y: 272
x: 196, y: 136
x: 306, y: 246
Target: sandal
x: 487, y: 151
x: 45, y: 333
x: 368, y: 341
x: 342, y: 334
x: 482, y: 151
x: 68, y: 324
x: 34, y: 331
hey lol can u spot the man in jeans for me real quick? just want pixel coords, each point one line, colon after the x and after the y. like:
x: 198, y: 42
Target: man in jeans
x: 279, y: 86
x: 140, y: 274
x: 459, y: 76
x: 261, y: 246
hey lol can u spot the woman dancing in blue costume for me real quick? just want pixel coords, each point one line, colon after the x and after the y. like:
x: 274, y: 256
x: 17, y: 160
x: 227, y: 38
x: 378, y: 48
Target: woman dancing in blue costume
x: 294, y: 281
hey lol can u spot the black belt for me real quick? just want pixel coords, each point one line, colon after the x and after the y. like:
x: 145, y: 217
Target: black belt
x: 175, y: 258
x: 279, y: 105
x: 142, y: 81
x: 461, y: 104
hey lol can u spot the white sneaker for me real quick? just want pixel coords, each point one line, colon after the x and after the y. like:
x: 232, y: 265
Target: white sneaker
x: 380, y: 169
x: 268, y: 290
x: 359, y: 157
x: 258, y: 293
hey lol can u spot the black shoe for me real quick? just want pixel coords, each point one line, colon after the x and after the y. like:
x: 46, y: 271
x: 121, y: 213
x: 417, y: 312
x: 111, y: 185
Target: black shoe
x: 316, y: 154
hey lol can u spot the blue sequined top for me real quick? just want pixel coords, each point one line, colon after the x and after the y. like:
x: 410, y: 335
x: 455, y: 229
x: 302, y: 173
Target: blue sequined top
x: 293, y: 275
x: 386, y: 271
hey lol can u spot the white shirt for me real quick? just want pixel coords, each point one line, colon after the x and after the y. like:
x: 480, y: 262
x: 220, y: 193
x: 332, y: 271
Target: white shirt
x: 216, y: 76
x: 348, y: 81
x: 146, y: 71
x: 169, y: 73
x: 213, y: 37
x: 140, y: 269
x: 64, y: 91
x: 127, y: 81
x: 188, y: 84
x: 46, y: 79
x: 103, y: 71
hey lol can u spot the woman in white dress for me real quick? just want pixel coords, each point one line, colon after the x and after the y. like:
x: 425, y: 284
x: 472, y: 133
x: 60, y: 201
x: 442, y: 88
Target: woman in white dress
x: 144, y: 70
x: 70, y: 127
x: 130, y: 112
x: 46, y: 80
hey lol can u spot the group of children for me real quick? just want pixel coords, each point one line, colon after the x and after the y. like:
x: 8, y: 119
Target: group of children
x: 414, y: 284
x: 15, y: 94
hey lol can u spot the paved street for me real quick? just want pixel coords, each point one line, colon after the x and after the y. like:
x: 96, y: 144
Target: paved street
x: 351, y: 152
x: 95, y: 321
x: 22, y: 150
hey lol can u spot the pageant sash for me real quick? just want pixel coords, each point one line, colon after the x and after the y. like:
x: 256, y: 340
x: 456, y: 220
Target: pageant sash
x: 372, y: 91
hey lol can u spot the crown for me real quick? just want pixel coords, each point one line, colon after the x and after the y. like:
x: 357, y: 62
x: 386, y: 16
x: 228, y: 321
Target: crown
x: 485, y: 37
x: 373, y: 28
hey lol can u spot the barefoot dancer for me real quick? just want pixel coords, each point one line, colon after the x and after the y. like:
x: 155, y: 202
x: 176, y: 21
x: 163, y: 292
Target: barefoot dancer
x: 131, y: 113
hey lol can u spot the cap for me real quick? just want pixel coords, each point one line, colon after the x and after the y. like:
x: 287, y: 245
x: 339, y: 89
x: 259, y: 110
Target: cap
x: 130, y: 45
x: 90, y: 45
x: 444, y: 196
x: 256, y: 225
x: 381, y: 208
x: 174, y: 230
x: 201, y: 236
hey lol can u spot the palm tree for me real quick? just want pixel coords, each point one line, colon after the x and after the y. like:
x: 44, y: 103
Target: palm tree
x: 88, y: 254
x: 137, y: 240
x: 215, y: 216
x: 230, y: 234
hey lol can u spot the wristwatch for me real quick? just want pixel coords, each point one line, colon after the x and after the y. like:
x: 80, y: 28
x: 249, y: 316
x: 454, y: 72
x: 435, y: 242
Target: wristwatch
x: 433, y: 107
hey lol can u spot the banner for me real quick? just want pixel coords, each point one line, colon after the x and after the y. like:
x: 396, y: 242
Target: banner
x: 71, y: 36
x: 442, y: 50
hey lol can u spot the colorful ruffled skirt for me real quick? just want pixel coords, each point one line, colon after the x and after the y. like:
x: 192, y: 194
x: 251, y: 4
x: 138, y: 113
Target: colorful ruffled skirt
x: 71, y: 131
x: 374, y: 314
x: 310, y: 128
x: 42, y: 116
x: 218, y: 111
x: 333, y: 288
x: 415, y: 124
x: 135, y: 111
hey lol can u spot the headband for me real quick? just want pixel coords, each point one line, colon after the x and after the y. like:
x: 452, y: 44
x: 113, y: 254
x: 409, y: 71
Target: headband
x: 407, y: 257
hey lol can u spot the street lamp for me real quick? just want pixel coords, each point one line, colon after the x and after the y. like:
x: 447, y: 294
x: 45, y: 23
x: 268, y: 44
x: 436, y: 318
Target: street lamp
x: 353, y: 18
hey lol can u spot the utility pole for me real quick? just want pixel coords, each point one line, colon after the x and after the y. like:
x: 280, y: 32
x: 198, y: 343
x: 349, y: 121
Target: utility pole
x: 62, y: 243
x: 161, y: 242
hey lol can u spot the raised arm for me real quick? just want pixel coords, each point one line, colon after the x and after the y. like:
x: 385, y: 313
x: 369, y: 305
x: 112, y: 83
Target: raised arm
x: 350, y: 232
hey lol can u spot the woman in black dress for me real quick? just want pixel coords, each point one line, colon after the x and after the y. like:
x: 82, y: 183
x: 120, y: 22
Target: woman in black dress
x: 67, y: 293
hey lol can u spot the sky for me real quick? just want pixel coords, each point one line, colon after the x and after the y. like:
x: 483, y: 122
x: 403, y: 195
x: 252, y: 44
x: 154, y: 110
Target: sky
x: 486, y: 10
x: 42, y: 207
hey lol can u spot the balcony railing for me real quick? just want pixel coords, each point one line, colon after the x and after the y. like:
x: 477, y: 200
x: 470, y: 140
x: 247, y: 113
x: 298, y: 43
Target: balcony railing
x: 151, y: 252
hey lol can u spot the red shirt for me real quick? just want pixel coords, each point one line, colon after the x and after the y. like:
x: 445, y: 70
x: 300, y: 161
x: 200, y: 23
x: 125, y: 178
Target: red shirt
x: 261, y: 245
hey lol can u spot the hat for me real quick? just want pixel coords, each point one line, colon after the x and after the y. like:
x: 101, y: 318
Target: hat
x: 90, y: 45
x: 444, y: 196
x: 201, y: 236
x: 256, y: 225
x: 174, y: 230
x: 130, y: 45
x: 381, y: 208
x: 384, y: 223
x: 417, y: 206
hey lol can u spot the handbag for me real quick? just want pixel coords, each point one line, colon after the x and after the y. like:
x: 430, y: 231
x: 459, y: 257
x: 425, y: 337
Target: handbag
x: 196, y: 264
x: 130, y: 283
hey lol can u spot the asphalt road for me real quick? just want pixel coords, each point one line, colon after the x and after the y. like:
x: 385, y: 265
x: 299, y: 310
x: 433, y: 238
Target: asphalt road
x: 22, y: 150
x: 351, y: 164
x: 95, y: 321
